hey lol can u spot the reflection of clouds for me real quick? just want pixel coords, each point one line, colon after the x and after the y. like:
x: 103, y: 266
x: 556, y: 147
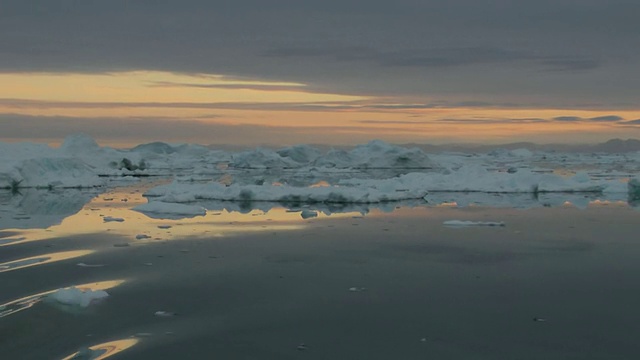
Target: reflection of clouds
x: 224, y: 217
x: 42, y: 259
x: 104, y: 350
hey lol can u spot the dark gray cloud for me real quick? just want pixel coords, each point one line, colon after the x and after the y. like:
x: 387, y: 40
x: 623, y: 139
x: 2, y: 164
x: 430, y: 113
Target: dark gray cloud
x: 567, y: 118
x: 607, y: 118
x: 554, y: 50
x: 437, y: 58
x: 631, y: 122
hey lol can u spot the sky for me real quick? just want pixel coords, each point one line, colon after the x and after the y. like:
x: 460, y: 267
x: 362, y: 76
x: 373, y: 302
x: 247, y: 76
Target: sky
x: 283, y: 72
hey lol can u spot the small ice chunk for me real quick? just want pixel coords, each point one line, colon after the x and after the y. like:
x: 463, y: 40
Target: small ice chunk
x: 465, y: 223
x: 89, y: 265
x: 164, y: 313
x: 142, y: 237
x: 302, y: 347
x: 164, y: 226
x: 357, y: 289
x: 77, y: 297
x: 539, y: 319
x: 112, y: 219
x: 307, y: 214
x: 121, y: 245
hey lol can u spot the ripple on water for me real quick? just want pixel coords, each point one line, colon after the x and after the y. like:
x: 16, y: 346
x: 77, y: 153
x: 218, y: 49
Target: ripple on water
x: 27, y: 302
x: 103, y: 350
x: 42, y: 259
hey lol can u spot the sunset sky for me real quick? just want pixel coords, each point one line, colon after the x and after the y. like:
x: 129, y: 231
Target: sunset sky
x: 281, y: 72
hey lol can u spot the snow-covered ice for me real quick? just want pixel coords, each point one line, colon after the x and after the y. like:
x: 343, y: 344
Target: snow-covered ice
x: 372, y: 173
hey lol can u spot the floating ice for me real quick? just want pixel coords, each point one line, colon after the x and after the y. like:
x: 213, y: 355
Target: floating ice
x: 112, y: 219
x: 465, y: 223
x: 357, y: 289
x: 89, y: 265
x: 76, y: 297
x: 162, y: 313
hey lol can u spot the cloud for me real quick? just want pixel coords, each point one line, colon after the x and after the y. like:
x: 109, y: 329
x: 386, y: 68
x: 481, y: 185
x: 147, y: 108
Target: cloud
x: 404, y: 47
x: 135, y: 130
x: 631, y: 123
x: 606, y: 118
x: 391, y: 122
x: 492, y: 121
x: 434, y: 58
x: 568, y: 64
x: 240, y: 86
x: 274, y: 106
x: 567, y: 118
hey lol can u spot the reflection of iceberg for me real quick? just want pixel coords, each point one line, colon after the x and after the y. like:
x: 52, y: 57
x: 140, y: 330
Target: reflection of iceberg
x: 33, y: 208
x: 519, y: 200
x: 161, y: 210
x: 634, y: 192
x: 324, y: 208
x: 459, y: 199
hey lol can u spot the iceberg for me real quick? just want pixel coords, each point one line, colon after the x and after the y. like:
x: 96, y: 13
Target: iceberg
x: 372, y: 173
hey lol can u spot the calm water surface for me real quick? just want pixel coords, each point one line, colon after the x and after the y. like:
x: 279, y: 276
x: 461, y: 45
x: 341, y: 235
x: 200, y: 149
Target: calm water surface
x: 554, y: 283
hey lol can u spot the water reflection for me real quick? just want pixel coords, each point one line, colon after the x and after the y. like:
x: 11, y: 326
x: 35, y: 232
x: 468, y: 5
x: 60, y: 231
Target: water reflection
x: 104, y: 350
x: 90, y: 219
x: 74, y: 212
x: 42, y: 259
x: 26, y: 302
x: 34, y: 208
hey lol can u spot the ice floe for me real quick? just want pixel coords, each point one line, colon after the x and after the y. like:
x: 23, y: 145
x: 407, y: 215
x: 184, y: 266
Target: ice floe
x: 467, y: 223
